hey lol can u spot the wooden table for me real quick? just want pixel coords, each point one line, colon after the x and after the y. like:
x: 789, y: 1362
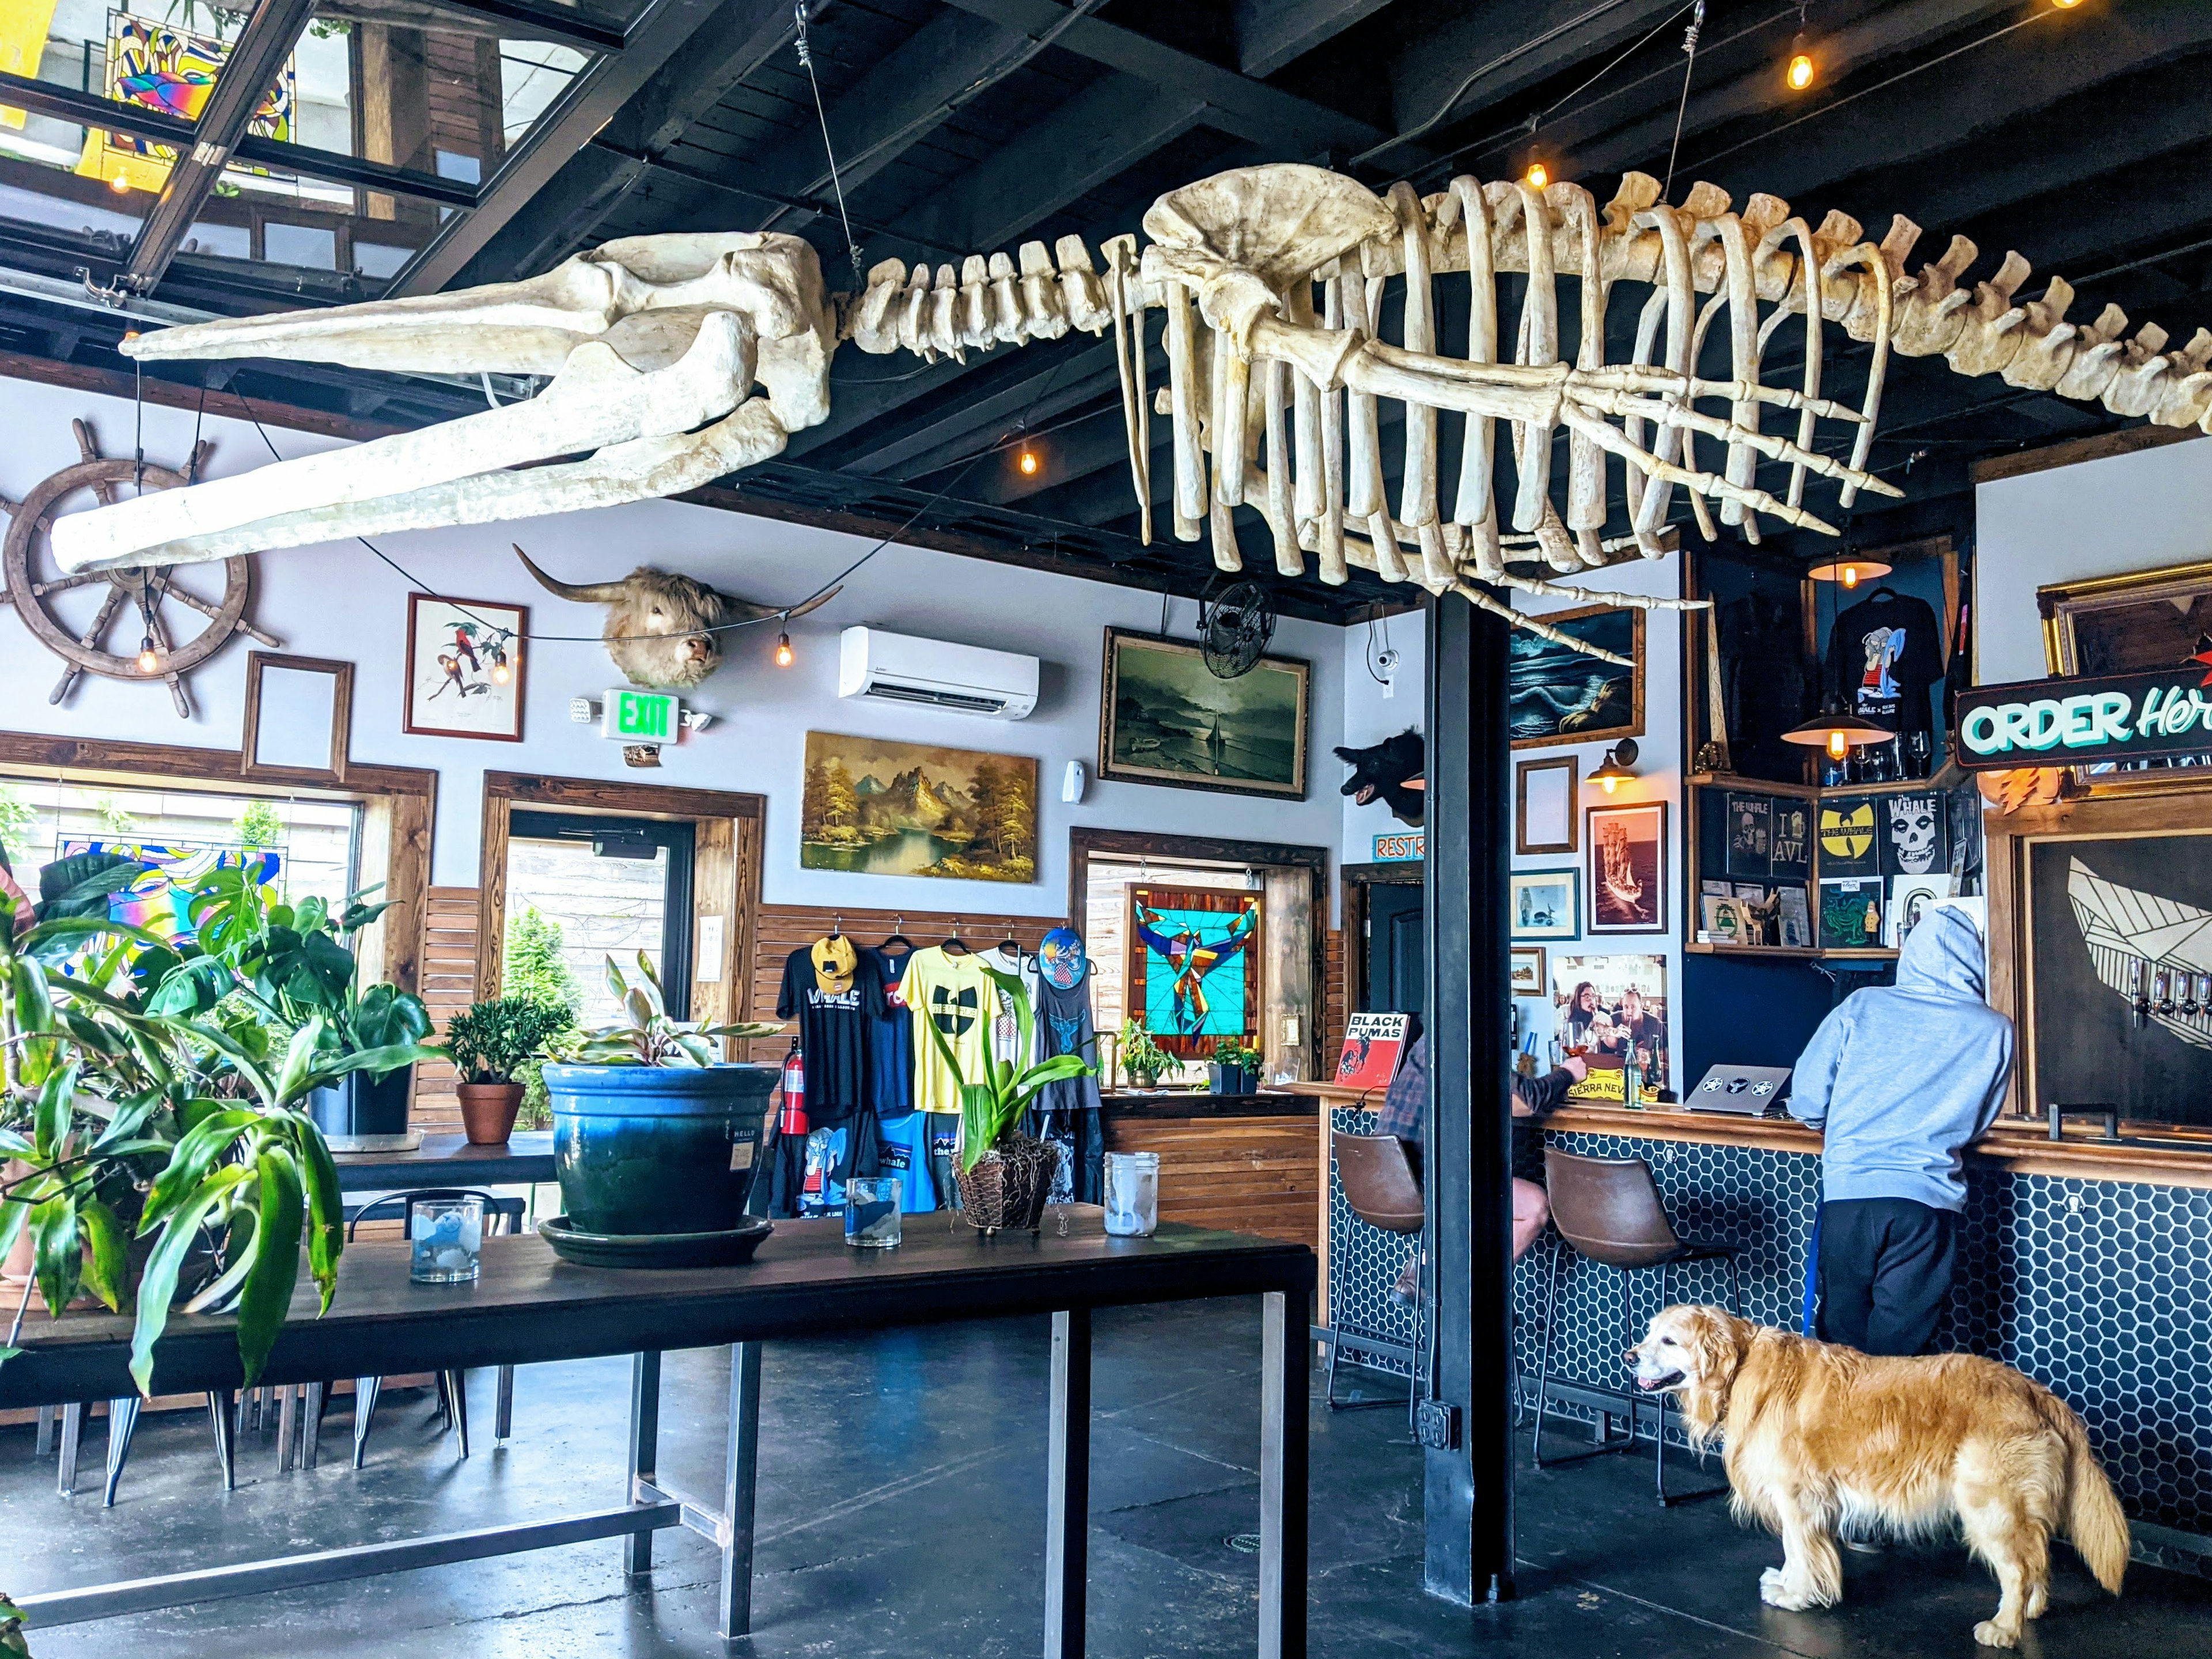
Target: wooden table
x: 526, y: 1160
x: 529, y: 1307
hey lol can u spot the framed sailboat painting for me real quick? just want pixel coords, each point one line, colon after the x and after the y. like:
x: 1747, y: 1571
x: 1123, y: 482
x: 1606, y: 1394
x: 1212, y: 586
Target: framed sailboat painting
x: 1165, y: 717
x: 1627, y: 868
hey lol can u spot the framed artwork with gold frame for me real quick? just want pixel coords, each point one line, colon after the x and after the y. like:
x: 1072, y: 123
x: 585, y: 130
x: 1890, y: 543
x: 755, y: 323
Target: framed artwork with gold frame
x: 2128, y: 624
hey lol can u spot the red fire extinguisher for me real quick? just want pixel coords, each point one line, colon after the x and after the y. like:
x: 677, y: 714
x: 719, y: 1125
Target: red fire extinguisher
x: 791, y: 1115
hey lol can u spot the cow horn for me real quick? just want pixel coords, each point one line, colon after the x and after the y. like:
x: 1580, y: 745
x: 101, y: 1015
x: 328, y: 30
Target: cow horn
x: 738, y: 610
x: 588, y: 593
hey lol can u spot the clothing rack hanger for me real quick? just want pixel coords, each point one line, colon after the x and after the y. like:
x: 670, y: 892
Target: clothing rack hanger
x: 954, y: 946
x: 1011, y: 943
x: 898, y: 935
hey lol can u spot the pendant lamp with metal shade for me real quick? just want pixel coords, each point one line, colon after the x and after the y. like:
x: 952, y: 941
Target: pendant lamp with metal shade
x: 1834, y: 729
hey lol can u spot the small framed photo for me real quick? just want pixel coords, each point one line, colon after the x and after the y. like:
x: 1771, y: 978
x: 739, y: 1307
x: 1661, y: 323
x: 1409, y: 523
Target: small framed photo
x: 1628, y: 868
x: 1529, y: 977
x: 1543, y: 805
x: 466, y: 662
x: 1546, y: 903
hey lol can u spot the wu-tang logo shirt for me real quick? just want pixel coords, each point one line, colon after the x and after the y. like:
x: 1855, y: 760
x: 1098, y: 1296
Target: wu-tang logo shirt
x: 954, y: 993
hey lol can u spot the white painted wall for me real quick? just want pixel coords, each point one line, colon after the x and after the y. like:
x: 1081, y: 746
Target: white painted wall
x: 339, y: 601
x: 2105, y: 518
x: 1373, y: 712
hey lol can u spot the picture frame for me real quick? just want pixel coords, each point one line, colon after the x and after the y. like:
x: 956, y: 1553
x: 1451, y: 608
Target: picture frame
x: 453, y: 649
x: 1544, y: 817
x: 1545, y: 904
x: 1185, y: 1005
x: 286, y: 747
x: 1555, y: 695
x: 1529, y: 976
x: 1627, y: 859
x: 2146, y: 619
x: 1165, y: 718
x: 880, y: 807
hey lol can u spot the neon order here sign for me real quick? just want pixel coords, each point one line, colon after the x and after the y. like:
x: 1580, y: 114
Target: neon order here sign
x: 2080, y: 720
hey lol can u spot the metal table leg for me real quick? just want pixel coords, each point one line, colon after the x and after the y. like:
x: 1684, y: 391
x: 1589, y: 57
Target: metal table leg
x: 740, y: 1474
x: 223, y: 1423
x: 365, y: 1391
x: 310, y: 1427
x: 122, y: 1418
x: 1067, y: 1491
x: 644, y: 1450
x: 1283, y: 1405
x: 72, y: 1439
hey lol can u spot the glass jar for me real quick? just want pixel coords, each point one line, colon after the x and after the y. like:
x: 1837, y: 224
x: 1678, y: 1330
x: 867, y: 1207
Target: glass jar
x: 872, y: 1212
x: 1133, y: 1194
x: 444, y: 1237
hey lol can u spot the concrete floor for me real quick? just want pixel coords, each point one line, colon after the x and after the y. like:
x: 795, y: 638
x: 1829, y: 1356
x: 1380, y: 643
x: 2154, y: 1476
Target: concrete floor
x: 901, y: 1509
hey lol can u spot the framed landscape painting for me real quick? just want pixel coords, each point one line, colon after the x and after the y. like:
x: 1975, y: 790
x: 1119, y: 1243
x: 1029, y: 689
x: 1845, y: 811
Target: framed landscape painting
x: 1555, y: 695
x: 1163, y: 717
x: 874, y: 807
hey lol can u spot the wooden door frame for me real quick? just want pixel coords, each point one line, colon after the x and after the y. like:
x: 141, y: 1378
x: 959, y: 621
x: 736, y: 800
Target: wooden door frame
x: 1083, y: 844
x: 400, y: 805
x: 1357, y: 878
x: 725, y: 879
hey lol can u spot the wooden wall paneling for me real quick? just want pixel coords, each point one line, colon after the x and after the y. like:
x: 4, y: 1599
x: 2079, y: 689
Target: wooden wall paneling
x: 450, y: 957
x: 714, y: 893
x: 491, y: 890
x: 744, y: 929
x: 1336, y: 1002
x: 1251, y: 1174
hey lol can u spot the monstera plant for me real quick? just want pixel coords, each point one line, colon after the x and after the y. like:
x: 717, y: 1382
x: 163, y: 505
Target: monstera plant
x: 149, y: 1111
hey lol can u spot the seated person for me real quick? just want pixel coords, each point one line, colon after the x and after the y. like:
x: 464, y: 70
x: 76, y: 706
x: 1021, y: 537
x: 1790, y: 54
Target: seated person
x: 1636, y: 1027
x: 1405, y: 1114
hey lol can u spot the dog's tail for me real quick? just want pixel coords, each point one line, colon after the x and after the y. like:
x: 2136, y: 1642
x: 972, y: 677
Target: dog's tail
x: 2094, y: 1520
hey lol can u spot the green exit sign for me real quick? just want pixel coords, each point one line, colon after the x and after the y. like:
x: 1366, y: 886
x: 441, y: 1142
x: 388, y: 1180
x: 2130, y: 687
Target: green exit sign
x: 640, y: 717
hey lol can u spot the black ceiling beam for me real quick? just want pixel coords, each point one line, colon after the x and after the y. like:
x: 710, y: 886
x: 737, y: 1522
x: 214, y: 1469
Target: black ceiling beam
x: 562, y: 24
x: 664, y: 29
x: 2007, y: 81
x: 255, y: 60
x: 905, y: 96
x: 1053, y: 382
x: 1271, y: 34
x: 1291, y: 125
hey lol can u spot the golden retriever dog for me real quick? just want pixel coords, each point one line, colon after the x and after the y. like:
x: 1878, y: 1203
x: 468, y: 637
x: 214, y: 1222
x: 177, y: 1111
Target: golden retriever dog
x: 1819, y: 1437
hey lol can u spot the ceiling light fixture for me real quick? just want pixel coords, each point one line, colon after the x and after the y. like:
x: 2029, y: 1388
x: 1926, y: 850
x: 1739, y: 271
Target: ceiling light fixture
x: 1027, y: 461
x: 1537, y: 175
x: 1850, y: 569
x: 121, y: 184
x: 150, y: 660
x: 1802, y: 70
x: 783, y: 650
x: 1837, y: 732
x: 2065, y: 5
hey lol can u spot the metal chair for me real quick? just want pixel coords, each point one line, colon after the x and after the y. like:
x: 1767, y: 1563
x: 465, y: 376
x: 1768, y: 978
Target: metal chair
x: 1608, y: 1209
x: 1380, y: 1188
x: 453, y: 1385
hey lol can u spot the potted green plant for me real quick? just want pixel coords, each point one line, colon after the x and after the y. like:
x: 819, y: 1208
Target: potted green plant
x: 158, y: 1159
x: 292, y: 963
x: 647, y: 1121
x: 1142, y: 1059
x: 1004, y: 1174
x: 1236, y: 1068
x: 492, y: 1044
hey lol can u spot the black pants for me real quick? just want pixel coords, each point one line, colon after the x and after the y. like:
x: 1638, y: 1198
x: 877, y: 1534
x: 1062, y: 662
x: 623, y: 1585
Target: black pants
x: 1885, y: 1266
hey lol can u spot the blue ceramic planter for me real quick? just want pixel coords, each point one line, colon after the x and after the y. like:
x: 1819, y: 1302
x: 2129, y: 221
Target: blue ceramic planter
x: 656, y: 1149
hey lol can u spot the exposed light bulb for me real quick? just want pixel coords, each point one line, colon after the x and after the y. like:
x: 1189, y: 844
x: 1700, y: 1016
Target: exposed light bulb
x: 1801, y: 71
x: 149, y: 660
x: 783, y: 650
x: 501, y: 673
x: 1027, y: 462
x: 1609, y: 784
x: 2065, y: 5
x: 1539, y: 175
x: 1851, y: 575
x: 121, y: 184
x: 1838, y: 746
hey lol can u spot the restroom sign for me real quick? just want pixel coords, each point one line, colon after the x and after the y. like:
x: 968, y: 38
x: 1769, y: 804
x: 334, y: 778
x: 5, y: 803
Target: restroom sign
x: 2080, y: 720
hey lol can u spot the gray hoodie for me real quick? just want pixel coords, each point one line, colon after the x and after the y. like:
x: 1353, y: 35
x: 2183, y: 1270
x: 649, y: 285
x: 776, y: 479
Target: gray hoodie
x: 1903, y: 1076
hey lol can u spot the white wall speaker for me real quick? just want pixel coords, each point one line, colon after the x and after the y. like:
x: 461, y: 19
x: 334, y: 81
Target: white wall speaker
x: 1071, y: 782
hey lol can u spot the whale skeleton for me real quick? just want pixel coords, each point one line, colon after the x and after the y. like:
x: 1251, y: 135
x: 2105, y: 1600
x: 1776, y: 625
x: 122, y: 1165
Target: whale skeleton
x: 1271, y: 281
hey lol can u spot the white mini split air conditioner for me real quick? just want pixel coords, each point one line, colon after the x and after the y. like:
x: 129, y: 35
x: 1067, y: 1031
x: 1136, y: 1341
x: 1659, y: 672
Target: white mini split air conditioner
x: 936, y: 673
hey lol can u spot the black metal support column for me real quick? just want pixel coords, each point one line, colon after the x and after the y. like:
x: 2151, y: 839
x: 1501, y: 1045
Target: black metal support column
x: 1469, y: 1197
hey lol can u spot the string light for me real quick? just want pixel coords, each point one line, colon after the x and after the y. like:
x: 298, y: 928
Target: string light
x: 1802, y: 70
x: 121, y: 184
x: 2065, y: 5
x: 1027, y: 461
x: 501, y: 673
x: 148, y: 661
x: 1539, y: 175
x: 783, y: 650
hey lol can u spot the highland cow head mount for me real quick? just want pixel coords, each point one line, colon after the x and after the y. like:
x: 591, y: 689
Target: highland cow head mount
x: 664, y: 630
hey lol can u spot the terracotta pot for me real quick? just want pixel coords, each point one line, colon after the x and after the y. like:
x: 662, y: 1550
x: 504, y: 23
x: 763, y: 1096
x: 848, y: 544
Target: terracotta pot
x: 488, y: 1111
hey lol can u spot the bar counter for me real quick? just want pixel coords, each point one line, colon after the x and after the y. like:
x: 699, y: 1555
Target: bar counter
x: 2084, y: 1262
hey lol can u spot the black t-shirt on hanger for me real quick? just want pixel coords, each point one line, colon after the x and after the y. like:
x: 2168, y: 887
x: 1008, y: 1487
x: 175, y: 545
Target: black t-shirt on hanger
x: 891, y: 1036
x: 835, y: 1013
x: 1883, y: 654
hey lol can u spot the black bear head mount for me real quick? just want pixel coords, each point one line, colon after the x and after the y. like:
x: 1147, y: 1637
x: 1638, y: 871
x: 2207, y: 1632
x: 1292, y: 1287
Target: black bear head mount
x: 1390, y: 772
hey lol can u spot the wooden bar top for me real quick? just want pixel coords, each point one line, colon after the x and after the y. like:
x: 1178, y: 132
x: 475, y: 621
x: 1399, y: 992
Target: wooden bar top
x: 529, y: 1306
x: 2019, y: 1144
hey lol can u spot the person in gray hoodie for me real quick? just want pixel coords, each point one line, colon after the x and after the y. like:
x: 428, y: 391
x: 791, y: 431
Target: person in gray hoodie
x: 1901, y: 1078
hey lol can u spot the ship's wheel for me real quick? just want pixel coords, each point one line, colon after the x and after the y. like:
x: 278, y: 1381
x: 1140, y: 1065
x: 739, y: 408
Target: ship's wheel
x: 134, y: 604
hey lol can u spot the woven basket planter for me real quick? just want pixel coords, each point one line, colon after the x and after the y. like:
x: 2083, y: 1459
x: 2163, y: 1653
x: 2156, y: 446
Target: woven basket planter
x: 1007, y: 1188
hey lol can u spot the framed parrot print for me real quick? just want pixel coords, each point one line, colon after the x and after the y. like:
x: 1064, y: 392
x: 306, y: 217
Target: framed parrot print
x: 1194, y: 961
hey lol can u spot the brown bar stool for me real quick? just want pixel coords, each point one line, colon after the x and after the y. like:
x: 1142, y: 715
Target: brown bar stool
x: 1379, y: 1187
x: 1609, y: 1210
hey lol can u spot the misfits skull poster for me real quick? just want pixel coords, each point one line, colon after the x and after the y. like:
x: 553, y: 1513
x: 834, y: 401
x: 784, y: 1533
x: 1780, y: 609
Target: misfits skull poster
x: 1913, y: 841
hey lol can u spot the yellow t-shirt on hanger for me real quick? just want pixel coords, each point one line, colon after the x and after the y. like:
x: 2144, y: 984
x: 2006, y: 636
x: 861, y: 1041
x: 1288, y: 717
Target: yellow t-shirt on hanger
x: 955, y: 994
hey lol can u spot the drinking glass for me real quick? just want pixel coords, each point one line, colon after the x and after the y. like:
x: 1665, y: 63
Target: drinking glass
x: 1133, y: 1194
x: 872, y: 1212
x: 445, y: 1236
